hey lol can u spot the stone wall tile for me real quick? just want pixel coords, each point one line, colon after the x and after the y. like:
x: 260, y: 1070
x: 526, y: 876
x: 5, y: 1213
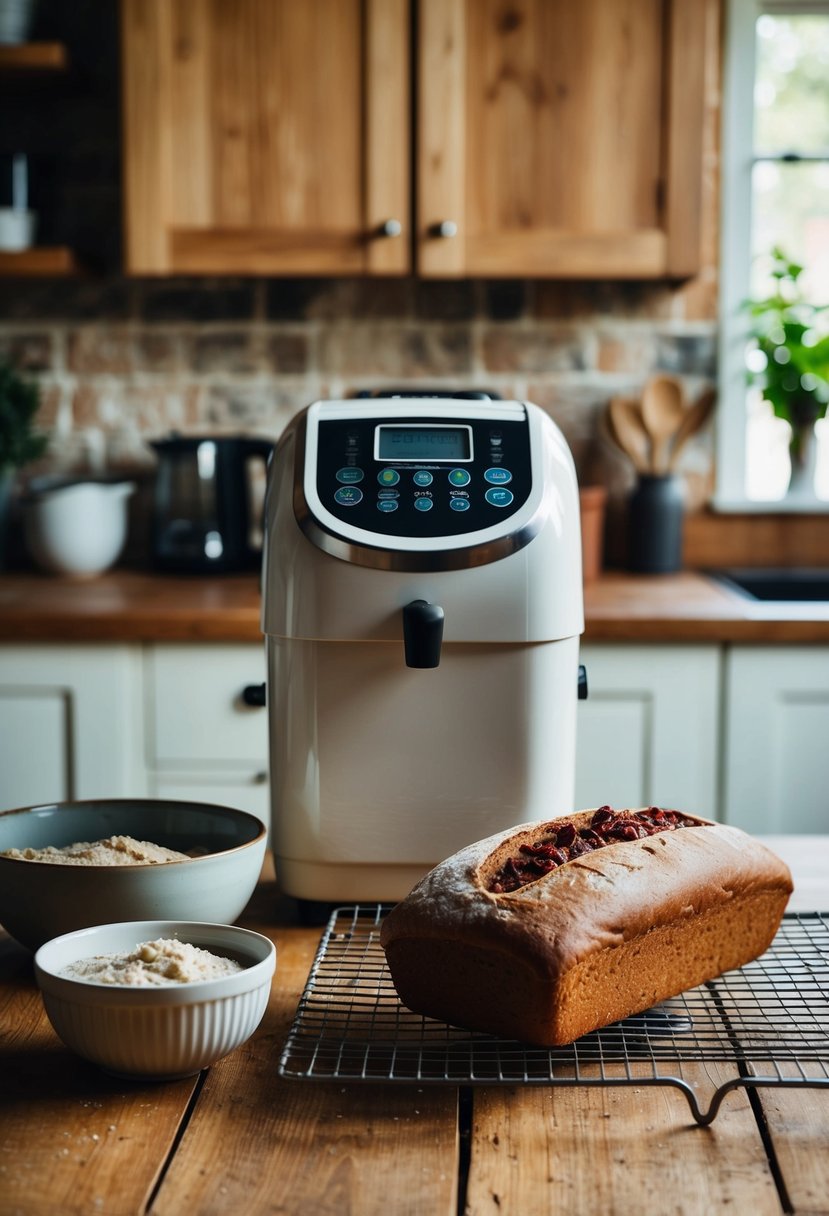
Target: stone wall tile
x: 264, y: 408
x: 287, y: 353
x: 370, y: 351
x: 157, y: 352
x: 692, y: 354
x: 509, y: 348
x: 154, y: 410
x: 28, y: 351
x: 63, y: 300
x: 631, y: 351
x: 197, y: 300
x: 103, y: 349
x: 446, y: 300
x: 227, y: 353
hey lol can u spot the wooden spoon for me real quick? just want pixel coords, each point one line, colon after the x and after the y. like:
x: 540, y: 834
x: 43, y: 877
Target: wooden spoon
x: 694, y: 420
x: 624, y: 416
x: 662, y: 412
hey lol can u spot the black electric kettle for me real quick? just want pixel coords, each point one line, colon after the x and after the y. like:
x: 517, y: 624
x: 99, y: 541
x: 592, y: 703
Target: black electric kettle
x: 205, y: 513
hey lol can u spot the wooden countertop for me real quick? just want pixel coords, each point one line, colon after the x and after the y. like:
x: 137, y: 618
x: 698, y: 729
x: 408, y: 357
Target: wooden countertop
x: 128, y: 606
x: 237, y: 1139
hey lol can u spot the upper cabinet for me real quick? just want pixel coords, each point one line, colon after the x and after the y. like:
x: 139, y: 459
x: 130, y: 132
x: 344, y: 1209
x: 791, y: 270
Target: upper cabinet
x: 544, y: 138
x: 560, y: 138
x: 266, y: 136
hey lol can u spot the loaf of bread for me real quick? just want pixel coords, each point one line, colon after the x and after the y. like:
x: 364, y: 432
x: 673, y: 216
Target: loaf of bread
x: 550, y: 930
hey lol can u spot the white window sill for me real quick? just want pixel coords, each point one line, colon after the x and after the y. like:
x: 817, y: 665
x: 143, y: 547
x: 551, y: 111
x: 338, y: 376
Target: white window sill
x: 777, y: 506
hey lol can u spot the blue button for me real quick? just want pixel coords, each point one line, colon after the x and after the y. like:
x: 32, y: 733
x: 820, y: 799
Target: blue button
x: 422, y: 478
x: 459, y: 504
x: 388, y: 493
x: 499, y: 498
x: 388, y: 477
x: 423, y: 504
x: 348, y: 496
x: 459, y: 477
x: 386, y: 505
x: 498, y: 477
x: 350, y: 476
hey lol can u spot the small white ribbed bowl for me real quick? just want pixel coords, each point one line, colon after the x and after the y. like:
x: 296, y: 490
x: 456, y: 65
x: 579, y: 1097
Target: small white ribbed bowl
x: 158, y: 1033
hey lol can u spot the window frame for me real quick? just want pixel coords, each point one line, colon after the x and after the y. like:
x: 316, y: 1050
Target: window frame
x: 736, y: 213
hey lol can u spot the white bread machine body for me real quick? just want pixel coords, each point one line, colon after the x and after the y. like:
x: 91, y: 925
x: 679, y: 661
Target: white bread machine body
x: 378, y: 769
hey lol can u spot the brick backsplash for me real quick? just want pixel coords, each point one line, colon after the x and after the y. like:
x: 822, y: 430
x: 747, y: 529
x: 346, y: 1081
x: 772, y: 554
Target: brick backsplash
x: 122, y: 361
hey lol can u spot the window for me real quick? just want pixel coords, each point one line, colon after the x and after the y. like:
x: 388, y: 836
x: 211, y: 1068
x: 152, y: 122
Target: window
x: 775, y: 193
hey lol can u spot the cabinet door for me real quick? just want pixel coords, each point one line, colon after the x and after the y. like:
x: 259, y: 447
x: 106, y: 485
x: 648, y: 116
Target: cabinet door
x: 70, y: 724
x: 648, y: 732
x: 266, y: 136
x: 777, y: 739
x: 561, y: 138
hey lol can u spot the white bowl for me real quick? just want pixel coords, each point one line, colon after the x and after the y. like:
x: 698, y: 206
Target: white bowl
x: 158, y: 1033
x: 41, y: 899
x: 77, y: 530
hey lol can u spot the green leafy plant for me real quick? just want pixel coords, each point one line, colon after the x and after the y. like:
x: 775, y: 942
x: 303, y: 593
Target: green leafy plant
x: 20, y: 443
x: 791, y: 333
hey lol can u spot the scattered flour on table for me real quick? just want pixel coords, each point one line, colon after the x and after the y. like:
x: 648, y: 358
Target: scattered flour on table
x: 153, y: 964
x: 112, y: 851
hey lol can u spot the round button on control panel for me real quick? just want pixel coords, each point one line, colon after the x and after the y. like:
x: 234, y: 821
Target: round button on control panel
x: 459, y: 504
x: 459, y: 477
x: 423, y: 504
x: 386, y: 505
x: 498, y: 498
x: 498, y: 477
x: 422, y: 478
x: 350, y: 476
x: 388, y: 477
x: 348, y: 496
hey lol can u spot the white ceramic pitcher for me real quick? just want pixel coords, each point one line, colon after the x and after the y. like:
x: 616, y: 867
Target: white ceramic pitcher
x: 79, y: 529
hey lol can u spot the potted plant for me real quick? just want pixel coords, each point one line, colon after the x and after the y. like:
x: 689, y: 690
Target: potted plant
x: 793, y: 337
x: 20, y: 443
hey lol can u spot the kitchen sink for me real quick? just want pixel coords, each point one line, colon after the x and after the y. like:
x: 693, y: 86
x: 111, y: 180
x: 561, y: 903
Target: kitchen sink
x: 779, y: 586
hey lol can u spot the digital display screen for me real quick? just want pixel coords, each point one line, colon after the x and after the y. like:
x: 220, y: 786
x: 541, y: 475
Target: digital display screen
x: 424, y: 443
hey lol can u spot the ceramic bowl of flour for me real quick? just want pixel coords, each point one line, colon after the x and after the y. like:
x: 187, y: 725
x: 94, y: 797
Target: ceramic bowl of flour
x: 217, y: 859
x: 202, y: 993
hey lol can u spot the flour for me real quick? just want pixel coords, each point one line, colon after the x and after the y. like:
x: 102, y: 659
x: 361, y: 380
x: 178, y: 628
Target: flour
x: 153, y: 964
x: 112, y: 851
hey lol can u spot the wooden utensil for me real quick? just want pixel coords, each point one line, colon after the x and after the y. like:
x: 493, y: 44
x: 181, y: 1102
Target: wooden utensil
x: 627, y: 428
x: 663, y: 409
x: 694, y: 420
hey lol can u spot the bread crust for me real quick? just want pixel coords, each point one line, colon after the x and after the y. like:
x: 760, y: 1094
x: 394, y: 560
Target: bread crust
x: 592, y: 916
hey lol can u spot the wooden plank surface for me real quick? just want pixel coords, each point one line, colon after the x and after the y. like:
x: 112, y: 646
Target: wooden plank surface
x: 798, y: 1126
x: 72, y: 1139
x: 299, y: 1148
x: 612, y: 1152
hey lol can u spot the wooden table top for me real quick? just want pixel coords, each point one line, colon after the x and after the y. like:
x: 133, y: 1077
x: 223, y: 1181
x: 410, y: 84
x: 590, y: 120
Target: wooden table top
x: 131, y: 606
x: 238, y: 1140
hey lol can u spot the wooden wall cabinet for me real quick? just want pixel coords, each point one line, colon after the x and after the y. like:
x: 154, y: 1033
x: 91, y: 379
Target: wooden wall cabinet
x: 546, y: 138
x: 266, y: 136
x: 561, y: 138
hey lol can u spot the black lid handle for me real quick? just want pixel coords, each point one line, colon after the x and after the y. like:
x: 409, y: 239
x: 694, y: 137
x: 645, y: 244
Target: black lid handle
x: 422, y: 633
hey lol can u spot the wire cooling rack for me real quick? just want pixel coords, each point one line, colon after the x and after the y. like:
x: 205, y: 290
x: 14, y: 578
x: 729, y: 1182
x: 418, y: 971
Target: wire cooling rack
x: 769, y: 1021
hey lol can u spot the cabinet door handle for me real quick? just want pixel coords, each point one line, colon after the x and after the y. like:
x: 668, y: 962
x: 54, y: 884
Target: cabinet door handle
x: 445, y: 229
x: 390, y: 228
x: 254, y: 695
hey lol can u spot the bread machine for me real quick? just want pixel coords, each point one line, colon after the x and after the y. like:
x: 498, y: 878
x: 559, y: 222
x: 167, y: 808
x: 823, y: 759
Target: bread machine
x: 422, y: 606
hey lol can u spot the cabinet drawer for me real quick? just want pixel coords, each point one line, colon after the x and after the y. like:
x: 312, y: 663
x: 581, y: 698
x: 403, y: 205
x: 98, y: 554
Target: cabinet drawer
x: 249, y: 793
x: 197, y: 714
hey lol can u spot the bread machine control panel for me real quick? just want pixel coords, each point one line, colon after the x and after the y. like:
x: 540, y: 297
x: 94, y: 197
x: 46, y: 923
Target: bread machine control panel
x: 423, y: 477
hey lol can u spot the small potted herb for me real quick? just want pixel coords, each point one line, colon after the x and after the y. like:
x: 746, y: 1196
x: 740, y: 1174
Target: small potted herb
x: 20, y: 443
x: 792, y: 335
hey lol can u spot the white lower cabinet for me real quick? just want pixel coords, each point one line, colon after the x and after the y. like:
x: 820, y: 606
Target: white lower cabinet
x: 648, y: 733
x: 777, y: 738
x: 71, y: 723
x: 204, y: 743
